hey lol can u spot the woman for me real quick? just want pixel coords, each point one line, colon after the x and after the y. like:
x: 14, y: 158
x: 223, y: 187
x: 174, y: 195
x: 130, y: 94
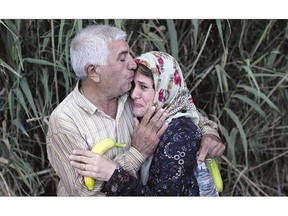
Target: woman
x: 159, y: 81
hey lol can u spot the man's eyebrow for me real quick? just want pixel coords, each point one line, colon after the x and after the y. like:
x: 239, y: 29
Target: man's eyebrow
x: 125, y: 52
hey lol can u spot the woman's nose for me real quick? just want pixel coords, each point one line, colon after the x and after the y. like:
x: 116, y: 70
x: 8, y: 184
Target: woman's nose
x: 134, y: 94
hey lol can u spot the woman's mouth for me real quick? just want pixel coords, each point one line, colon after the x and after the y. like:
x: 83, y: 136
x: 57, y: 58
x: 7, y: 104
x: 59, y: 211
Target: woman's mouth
x: 137, y: 105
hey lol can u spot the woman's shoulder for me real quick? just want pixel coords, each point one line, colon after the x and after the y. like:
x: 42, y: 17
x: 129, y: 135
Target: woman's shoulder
x: 182, y: 121
x: 182, y: 125
x: 182, y: 131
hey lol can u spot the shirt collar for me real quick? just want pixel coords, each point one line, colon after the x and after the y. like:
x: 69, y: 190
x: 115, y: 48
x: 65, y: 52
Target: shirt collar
x: 87, y: 106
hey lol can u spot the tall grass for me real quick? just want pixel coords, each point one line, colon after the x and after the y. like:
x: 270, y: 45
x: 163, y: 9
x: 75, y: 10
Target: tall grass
x: 236, y: 70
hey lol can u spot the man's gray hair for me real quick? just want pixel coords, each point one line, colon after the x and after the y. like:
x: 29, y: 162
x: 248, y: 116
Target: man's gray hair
x: 90, y: 46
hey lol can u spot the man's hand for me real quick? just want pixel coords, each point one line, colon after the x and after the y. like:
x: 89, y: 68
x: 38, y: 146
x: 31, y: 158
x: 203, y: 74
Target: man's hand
x: 211, y: 146
x: 149, y: 131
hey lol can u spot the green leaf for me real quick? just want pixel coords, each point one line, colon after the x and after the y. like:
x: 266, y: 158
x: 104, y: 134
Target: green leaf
x: 78, y: 24
x: 38, y: 61
x: 18, y: 124
x: 219, y: 71
x: 252, y: 103
x: 25, y: 88
x: 173, y: 39
x: 230, y: 143
x: 251, y: 75
x: 272, y: 58
x: 236, y: 120
x: 195, y: 24
x: 261, y: 95
x: 264, y: 34
x: 158, y: 42
x: 5, y: 65
x: 219, y: 26
x: 19, y: 95
x: 231, y: 149
x: 61, y: 35
x: 255, y: 147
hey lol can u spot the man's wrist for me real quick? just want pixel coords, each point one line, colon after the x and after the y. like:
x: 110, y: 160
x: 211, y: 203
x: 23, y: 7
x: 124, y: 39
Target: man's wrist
x: 206, y: 130
x: 213, y: 136
x: 136, y: 157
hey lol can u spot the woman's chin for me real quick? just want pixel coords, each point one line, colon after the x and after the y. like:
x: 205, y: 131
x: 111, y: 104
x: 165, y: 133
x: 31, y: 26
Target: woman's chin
x: 138, y: 113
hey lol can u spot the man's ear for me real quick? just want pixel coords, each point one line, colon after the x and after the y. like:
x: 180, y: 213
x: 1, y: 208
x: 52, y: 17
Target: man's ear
x: 92, y: 72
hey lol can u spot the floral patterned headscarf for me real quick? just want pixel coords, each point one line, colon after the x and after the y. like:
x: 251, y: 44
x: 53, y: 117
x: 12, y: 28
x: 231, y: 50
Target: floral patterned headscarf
x: 170, y: 92
x: 170, y: 87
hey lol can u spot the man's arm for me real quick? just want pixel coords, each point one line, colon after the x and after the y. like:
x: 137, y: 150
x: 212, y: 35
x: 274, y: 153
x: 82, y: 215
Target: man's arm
x: 146, y: 137
x: 59, y: 146
x: 211, y: 143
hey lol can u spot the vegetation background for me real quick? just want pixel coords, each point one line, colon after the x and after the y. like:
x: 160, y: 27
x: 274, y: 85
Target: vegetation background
x: 236, y: 70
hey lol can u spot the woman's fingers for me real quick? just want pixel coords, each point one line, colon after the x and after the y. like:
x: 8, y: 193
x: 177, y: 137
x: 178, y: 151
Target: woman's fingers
x: 83, y: 152
x: 147, y: 116
x: 81, y: 157
x: 99, y: 167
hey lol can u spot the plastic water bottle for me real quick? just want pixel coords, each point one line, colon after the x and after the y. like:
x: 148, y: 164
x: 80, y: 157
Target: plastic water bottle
x: 205, y: 181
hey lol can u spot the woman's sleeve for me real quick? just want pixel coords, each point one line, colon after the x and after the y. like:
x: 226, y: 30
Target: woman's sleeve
x: 171, y: 171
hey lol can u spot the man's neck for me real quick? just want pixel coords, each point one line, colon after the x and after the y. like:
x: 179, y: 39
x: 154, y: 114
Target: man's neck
x: 101, y: 101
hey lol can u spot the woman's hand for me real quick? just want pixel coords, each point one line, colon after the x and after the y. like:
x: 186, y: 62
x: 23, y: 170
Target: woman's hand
x: 88, y: 163
x: 148, y: 132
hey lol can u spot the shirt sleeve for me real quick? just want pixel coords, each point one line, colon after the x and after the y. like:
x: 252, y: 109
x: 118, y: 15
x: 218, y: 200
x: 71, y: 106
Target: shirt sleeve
x: 62, y: 138
x: 60, y: 144
x: 171, y: 171
x: 208, y: 126
x: 131, y: 160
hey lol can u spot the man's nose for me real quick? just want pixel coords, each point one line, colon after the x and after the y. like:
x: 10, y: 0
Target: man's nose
x: 132, y: 63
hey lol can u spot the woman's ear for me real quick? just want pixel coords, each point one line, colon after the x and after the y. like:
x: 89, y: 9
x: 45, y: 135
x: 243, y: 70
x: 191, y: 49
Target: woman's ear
x: 92, y: 72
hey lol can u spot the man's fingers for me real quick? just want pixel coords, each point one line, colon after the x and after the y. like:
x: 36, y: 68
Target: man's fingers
x: 211, y: 146
x: 202, y: 155
x: 217, y: 151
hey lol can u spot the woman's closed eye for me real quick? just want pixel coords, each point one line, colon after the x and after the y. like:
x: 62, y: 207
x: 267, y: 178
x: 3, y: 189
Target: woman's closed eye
x: 144, y: 87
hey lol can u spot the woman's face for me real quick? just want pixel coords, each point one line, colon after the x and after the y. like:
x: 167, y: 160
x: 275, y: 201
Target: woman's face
x: 142, y: 94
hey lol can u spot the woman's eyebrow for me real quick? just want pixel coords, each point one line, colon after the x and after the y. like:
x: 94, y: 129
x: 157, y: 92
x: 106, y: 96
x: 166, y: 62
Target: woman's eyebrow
x: 142, y: 82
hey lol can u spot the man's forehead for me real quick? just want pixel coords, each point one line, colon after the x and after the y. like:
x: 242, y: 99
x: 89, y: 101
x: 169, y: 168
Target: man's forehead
x: 118, y: 47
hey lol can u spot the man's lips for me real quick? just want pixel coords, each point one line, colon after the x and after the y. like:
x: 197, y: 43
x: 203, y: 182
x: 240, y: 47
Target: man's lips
x: 131, y: 79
